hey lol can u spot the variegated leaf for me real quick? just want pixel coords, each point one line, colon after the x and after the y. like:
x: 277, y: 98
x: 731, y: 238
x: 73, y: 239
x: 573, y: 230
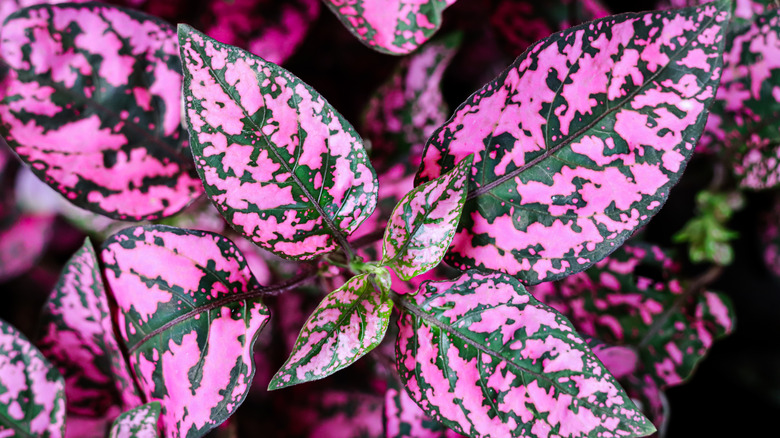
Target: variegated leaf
x: 404, y: 419
x: 395, y: 28
x: 423, y: 223
x: 140, y: 422
x: 579, y: 141
x: 283, y: 167
x: 78, y: 338
x: 267, y: 28
x: 633, y: 298
x: 408, y: 107
x: 520, y: 23
x: 189, y: 313
x: 746, y: 112
x: 32, y: 392
x: 94, y: 107
x: 348, y: 323
x: 484, y: 357
x: 652, y: 400
x: 336, y: 414
x: 23, y: 243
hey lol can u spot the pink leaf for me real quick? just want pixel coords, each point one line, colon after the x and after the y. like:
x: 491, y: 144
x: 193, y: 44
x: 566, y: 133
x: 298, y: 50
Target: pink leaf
x: 78, y: 338
x: 140, y: 422
x: 394, y: 27
x: 189, y: 313
x: 32, y: 392
x: 485, y: 358
x: 112, y: 78
x: 23, y: 243
x: 579, y: 141
x: 283, y: 167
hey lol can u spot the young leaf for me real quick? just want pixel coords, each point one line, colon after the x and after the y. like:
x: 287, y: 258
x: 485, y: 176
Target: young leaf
x: 140, y: 422
x: 32, y: 392
x: 283, y: 167
x: 485, y: 358
x: 23, y: 243
x: 348, y: 323
x: 408, y: 107
x: 395, y: 28
x: 94, y: 107
x: 579, y: 141
x: 267, y: 28
x: 189, y: 313
x: 78, y: 338
x: 422, y: 225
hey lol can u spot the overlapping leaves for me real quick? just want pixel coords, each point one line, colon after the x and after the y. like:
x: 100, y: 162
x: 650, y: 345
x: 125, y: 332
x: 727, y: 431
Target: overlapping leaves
x: 32, y: 392
x: 746, y: 112
x: 395, y: 28
x: 634, y: 298
x: 484, y: 357
x: 281, y: 164
x: 579, y: 141
x: 189, y: 313
x: 94, y: 107
x: 78, y: 338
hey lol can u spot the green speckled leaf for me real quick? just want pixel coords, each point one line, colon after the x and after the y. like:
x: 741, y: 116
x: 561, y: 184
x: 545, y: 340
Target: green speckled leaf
x: 423, y: 223
x: 348, y: 323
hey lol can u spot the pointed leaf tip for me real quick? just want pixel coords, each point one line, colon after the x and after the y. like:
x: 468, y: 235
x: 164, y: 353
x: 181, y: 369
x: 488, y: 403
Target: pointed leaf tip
x: 484, y: 357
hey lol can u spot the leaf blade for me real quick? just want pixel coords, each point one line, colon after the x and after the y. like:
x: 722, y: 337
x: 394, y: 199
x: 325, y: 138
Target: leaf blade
x: 472, y: 345
x: 117, y: 147
x: 182, y: 313
x: 261, y: 157
x: 139, y: 422
x: 567, y: 171
x: 347, y: 324
x: 423, y: 223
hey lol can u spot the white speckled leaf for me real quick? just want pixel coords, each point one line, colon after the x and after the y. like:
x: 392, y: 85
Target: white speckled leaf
x: 140, y: 422
x: 423, y: 223
x: 348, y: 323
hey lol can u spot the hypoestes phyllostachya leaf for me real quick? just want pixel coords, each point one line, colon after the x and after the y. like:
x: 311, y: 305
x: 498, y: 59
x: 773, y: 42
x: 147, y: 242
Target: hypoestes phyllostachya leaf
x: 94, y: 107
x: 140, y: 422
x: 77, y: 336
x: 396, y: 27
x: 578, y: 142
x: 282, y: 166
x: 32, y: 392
x: 348, y: 323
x: 423, y: 223
x: 485, y: 358
x: 189, y: 320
